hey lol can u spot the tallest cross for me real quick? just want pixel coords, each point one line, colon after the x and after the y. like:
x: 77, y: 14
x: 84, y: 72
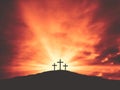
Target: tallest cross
x: 60, y: 62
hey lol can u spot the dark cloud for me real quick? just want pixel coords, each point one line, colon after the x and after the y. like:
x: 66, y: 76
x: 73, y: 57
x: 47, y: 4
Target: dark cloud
x: 115, y: 59
x: 5, y: 47
x: 109, y: 51
x: 110, y: 11
x: 10, y: 32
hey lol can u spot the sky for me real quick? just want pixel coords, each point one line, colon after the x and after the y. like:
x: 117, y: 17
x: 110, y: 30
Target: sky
x: 85, y: 34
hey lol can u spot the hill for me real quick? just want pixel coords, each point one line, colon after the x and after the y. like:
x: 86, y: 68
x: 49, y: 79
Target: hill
x: 59, y: 80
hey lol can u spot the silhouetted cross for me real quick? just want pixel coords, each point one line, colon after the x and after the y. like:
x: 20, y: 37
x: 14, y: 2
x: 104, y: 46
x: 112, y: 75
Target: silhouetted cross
x: 60, y: 62
x: 54, y: 65
x: 65, y: 66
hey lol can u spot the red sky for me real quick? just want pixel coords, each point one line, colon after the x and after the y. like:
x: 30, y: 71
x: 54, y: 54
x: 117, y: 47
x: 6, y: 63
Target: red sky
x: 83, y: 33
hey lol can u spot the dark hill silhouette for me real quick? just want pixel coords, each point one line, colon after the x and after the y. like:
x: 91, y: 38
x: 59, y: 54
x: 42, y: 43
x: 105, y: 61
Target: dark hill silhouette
x: 59, y: 80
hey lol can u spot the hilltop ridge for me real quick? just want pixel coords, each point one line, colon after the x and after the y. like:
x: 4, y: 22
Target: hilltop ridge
x: 58, y: 80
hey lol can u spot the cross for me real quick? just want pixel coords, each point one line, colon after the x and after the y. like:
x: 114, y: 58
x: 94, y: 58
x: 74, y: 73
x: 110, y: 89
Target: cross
x: 65, y: 66
x: 60, y: 62
x: 54, y: 65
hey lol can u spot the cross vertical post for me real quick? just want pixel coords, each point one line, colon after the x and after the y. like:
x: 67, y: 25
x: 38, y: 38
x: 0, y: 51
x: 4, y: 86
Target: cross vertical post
x: 54, y: 65
x: 65, y: 66
x: 60, y: 62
